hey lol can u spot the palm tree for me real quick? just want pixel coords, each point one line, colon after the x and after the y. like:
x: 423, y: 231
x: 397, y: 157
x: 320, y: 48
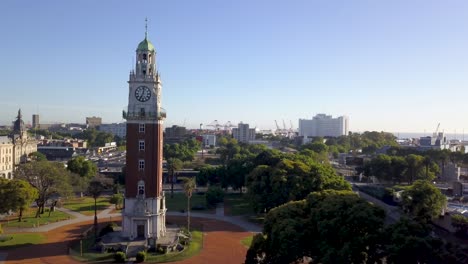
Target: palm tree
x: 173, y: 165
x: 94, y: 189
x: 189, y: 186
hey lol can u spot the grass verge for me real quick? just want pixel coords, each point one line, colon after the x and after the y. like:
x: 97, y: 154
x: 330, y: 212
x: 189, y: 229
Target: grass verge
x: 89, y: 254
x: 193, y: 249
x: 85, y: 205
x: 21, y: 239
x: 247, y: 241
x: 30, y: 220
x: 238, y: 204
x: 178, y: 203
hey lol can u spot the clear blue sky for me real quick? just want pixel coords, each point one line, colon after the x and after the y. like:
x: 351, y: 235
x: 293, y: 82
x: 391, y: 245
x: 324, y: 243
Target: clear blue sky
x: 388, y: 65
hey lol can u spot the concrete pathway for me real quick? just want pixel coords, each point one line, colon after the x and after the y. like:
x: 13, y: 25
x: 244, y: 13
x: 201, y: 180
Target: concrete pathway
x: 106, y: 215
x: 3, y: 257
x: 220, y: 209
x: 235, y: 220
x: 78, y: 219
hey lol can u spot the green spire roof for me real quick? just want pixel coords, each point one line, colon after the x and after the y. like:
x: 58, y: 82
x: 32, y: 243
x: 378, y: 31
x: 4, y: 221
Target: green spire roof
x: 145, y: 45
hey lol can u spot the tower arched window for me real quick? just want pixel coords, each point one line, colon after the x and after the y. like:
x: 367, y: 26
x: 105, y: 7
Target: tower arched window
x: 141, y: 188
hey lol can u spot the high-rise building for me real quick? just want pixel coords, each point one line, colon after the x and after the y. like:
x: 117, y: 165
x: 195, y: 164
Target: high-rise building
x: 116, y: 129
x: 323, y: 125
x: 35, y: 121
x: 93, y: 122
x: 243, y: 133
x: 175, y: 132
x: 144, y: 215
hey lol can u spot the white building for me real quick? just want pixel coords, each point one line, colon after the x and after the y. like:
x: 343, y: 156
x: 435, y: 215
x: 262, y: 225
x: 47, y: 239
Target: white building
x: 209, y: 140
x: 15, y: 148
x: 6, y: 158
x: 116, y: 129
x: 243, y: 133
x: 323, y: 125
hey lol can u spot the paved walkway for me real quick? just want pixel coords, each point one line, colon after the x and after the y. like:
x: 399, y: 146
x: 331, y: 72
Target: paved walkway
x: 78, y: 219
x: 106, y: 215
x: 220, y: 245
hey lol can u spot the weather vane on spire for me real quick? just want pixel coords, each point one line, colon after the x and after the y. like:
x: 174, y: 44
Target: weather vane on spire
x: 146, y: 27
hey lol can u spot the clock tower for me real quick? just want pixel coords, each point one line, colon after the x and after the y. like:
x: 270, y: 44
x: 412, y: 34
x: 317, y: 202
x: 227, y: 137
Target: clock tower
x: 144, y: 213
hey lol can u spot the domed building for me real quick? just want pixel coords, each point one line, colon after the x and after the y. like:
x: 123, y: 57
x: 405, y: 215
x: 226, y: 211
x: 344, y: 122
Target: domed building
x: 15, y: 148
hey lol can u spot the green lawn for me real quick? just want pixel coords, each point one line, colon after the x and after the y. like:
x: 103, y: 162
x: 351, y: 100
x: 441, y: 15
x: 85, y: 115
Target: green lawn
x: 194, y: 248
x: 29, y: 219
x: 178, y: 203
x: 89, y: 255
x: 238, y: 204
x: 85, y: 205
x: 247, y: 241
x: 20, y: 239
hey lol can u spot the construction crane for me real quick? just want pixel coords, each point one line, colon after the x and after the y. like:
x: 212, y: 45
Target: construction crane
x: 284, y: 126
x: 437, y: 130
x: 215, y: 124
x: 228, y: 126
x: 278, y: 129
x: 291, y: 130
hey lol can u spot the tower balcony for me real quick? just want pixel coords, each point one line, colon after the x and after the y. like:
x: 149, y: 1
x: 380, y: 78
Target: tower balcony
x: 141, y: 77
x: 144, y: 115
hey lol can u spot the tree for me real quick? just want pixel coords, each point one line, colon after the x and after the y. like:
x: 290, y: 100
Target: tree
x: 288, y: 180
x: 381, y: 167
x: 37, y: 156
x: 460, y: 222
x: 410, y: 242
x: 415, y: 163
x: 189, y: 187
x: 173, y: 165
x: 95, y: 188
x: 117, y: 199
x: 328, y: 226
x: 423, y: 201
x: 49, y: 178
x: 22, y: 194
x: 317, y: 146
x: 82, y: 167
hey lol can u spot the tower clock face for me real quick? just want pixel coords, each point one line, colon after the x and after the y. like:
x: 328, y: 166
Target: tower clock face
x: 142, y: 93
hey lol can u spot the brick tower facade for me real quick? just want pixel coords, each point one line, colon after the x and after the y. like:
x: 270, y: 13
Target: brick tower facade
x: 144, y: 214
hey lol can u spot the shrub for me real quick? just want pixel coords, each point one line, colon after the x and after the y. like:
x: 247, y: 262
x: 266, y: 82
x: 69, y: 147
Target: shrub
x: 117, y: 199
x: 107, y: 229
x: 198, y: 207
x: 214, y: 195
x: 119, y: 257
x: 141, y: 256
x: 1, y: 229
x: 460, y: 223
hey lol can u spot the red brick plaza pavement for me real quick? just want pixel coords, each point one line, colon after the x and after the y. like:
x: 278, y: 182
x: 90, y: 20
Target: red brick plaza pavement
x: 221, y: 244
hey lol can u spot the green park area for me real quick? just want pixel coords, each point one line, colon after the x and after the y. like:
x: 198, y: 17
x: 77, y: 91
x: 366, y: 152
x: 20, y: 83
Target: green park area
x: 10, y: 241
x: 30, y: 220
x: 193, y: 249
x: 237, y: 204
x: 85, y: 205
x: 84, y: 251
x: 90, y: 255
x: 178, y: 203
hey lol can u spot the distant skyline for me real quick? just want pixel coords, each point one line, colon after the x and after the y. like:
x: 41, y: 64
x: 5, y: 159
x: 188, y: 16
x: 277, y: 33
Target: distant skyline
x: 396, y: 66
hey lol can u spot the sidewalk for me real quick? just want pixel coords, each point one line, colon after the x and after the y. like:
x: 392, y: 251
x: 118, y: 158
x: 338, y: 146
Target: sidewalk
x: 236, y: 220
x: 219, y: 215
x: 78, y: 219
